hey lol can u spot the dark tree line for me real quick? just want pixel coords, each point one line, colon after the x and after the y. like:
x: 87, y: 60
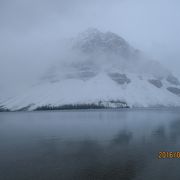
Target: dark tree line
x: 70, y: 106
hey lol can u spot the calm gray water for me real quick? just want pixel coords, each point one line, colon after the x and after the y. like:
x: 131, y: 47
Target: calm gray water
x: 89, y: 145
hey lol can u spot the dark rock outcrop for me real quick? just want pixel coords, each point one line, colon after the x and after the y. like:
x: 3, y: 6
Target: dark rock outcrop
x: 119, y: 78
x: 156, y: 82
x: 174, y: 90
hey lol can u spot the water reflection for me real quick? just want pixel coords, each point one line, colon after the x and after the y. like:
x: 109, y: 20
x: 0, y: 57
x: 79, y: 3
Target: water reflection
x: 86, y: 152
x: 123, y: 137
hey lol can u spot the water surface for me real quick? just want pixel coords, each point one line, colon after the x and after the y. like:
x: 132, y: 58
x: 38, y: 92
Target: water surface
x: 89, y: 145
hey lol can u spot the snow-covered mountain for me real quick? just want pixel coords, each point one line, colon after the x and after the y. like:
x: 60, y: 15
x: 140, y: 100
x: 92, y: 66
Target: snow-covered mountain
x: 101, y: 69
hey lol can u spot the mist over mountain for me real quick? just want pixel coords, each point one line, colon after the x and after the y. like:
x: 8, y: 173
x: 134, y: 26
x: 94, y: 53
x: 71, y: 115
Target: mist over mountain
x: 101, y: 68
x: 94, y: 52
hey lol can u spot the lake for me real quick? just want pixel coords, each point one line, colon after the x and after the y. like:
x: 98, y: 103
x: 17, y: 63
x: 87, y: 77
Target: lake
x: 90, y: 145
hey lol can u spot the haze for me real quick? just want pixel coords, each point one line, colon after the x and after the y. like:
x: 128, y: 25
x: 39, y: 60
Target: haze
x: 31, y: 32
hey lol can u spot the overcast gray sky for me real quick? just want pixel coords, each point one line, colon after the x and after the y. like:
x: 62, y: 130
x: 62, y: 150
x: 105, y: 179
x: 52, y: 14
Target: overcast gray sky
x: 31, y: 30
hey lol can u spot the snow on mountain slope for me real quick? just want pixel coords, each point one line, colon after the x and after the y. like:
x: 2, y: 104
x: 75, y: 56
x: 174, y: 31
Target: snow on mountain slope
x: 101, y: 67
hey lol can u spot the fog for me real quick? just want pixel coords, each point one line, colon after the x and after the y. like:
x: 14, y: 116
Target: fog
x: 32, y: 32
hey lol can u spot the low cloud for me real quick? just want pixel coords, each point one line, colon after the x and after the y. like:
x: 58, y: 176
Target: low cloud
x: 32, y: 33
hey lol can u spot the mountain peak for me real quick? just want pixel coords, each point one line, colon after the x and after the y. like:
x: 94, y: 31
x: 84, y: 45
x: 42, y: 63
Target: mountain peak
x: 90, y: 32
x: 93, y: 40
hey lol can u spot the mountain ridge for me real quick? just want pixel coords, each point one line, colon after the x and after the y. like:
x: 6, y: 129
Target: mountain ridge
x: 101, y: 67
